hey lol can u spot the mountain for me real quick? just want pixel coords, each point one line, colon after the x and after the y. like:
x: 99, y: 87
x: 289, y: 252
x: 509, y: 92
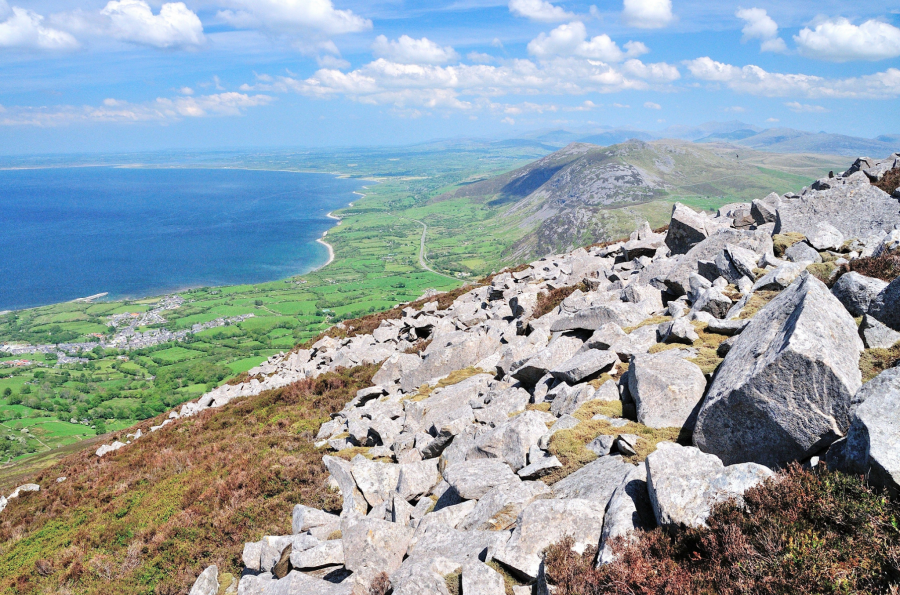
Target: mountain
x: 694, y: 133
x: 586, y: 193
x: 614, y: 137
x: 787, y: 140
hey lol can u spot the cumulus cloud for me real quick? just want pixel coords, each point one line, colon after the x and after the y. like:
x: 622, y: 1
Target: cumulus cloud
x: 407, y: 50
x: 803, y: 108
x: 539, y: 10
x: 115, y: 110
x: 754, y: 80
x: 134, y: 21
x: 648, y: 14
x: 651, y: 105
x: 839, y: 40
x: 759, y: 25
x: 25, y: 29
x: 571, y: 40
x: 293, y: 16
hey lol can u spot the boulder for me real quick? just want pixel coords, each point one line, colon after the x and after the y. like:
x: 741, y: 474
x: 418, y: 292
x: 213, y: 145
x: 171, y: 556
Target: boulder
x: 678, y: 278
x: 560, y: 349
x: 667, y: 390
x: 876, y: 335
x: 473, y: 479
x: 601, y: 445
x: 765, y: 210
x: 569, y: 398
x: 679, y: 330
x: 498, y: 509
x: 872, y: 447
x: 886, y: 306
x: 802, y: 252
x: 417, y: 479
x: 396, y: 367
x: 511, y: 440
x: 826, y: 237
x: 783, y: 391
x: 374, y: 546
x: 450, y: 352
x: 376, y: 481
x: 480, y: 579
x: 546, y: 522
x: 294, y: 582
x: 687, y: 228
x: 857, y: 292
x: 623, y: 314
x: 596, y: 481
x: 305, y: 518
x: 629, y: 510
x: 684, y: 484
x: 327, y: 553
x: 584, y: 365
x: 207, y: 583
x: 354, y: 501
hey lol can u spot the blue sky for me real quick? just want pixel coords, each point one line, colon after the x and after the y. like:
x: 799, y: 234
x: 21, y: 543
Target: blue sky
x: 143, y: 75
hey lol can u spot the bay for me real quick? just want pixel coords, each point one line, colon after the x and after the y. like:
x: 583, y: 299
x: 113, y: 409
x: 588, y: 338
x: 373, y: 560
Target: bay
x: 67, y: 233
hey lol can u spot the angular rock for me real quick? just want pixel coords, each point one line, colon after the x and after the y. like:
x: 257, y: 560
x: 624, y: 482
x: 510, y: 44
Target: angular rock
x: 539, y: 365
x: 765, y: 210
x: 584, y: 365
x: 802, y: 252
x: 569, y: 399
x: 340, y: 470
x: 687, y: 228
x: 857, y: 292
x: 876, y: 335
x: 439, y: 540
x: 480, y: 579
x: 294, y: 582
x: 546, y: 522
x: 473, y: 479
x: 596, y: 481
x: 684, y: 483
x: 207, y: 583
x: 727, y: 327
x: 376, y: 481
x: 305, y: 518
x: 601, y: 445
x: 539, y: 466
x: 629, y: 510
x: 374, y: 546
x: 448, y: 353
x: 872, y: 447
x: 498, y: 509
x: 395, y: 367
x: 667, y: 390
x: 678, y: 278
x: 886, y: 306
x: 826, y: 237
x: 623, y: 314
x: 328, y: 553
x: 417, y: 479
x: 783, y: 391
x: 511, y: 440
x: 779, y: 278
x: 679, y: 330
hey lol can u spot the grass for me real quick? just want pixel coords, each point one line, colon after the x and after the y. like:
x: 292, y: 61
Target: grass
x: 707, y: 346
x: 548, y: 301
x: 149, y: 518
x: 758, y: 300
x: 885, y: 267
x: 452, y: 378
x: 804, y: 533
x: 890, y: 181
x: 782, y: 241
x: 873, y: 362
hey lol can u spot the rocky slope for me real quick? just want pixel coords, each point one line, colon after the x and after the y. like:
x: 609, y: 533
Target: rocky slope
x: 716, y: 334
x: 586, y: 193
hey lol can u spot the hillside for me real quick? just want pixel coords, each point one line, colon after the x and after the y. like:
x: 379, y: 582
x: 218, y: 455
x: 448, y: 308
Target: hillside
x: 585, y: 193
x: 613, y: 404
x: 787, y: 140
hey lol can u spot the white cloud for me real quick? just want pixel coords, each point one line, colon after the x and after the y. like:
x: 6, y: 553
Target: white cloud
x: 508, y: 120
x: 802, y: 108
x: 759, y: 25
x: 736, y: 109
x: 657, y: 71
x: 293, y: 16
x: 839, y: 40
x: 648, y: 14
x: 115, y: 110
x: 571, y: 40
x: 330, y: 61
x: 651, y: 105
x: 407, y: 50
x: 479, y: 58
x: 539, y: 10
x: 754, y: 80
x: 134, y: 21
x: 186, y: 91
x: 24, y: 28
x: 772, y: 120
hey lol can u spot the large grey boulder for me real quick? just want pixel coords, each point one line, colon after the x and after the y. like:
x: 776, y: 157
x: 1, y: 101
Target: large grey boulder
x: 857, y: 292
x: 876, y: 335
x: 624, y: 314
x: 569, y: 398
x: 629, y: 510
x: 511, y: 440
x: 826, y: 237
x: 450, y: 352
x: 376, y: 481
x: 856, y: 208
x: 596, y: 481
x: 802, y: 252
x: 498, y: 509
x: 480, y: 579
x: 207, y: 583
x: 327, y: 553
x: 872, y: 447
x: 417, y: 479
x: 473, y: 479
x: 396, y: 367
x: 530, y: 371
x: 584, y: 365
x: 684, y: 484
x: 546, y: 522
x: 784, y: 390
x: 667, y: 390
x: 687, y: 228
x: 294, y: 582
x: 886, y: 306
x: 305, y: 519
x: 372, y: 546
x: 421, y: 576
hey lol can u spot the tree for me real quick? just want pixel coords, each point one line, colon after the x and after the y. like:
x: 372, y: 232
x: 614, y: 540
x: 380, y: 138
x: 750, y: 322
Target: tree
x: 8, y: 392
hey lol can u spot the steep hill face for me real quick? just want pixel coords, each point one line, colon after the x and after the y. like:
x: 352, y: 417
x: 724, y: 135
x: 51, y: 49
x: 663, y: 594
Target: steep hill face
x: 586, y: 193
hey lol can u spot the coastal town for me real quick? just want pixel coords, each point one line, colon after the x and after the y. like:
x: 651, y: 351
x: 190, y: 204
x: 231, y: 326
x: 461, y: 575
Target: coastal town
x: 127, y: 336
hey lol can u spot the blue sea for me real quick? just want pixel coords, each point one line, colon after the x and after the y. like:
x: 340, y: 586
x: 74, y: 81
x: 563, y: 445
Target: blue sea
x: 67, y: 233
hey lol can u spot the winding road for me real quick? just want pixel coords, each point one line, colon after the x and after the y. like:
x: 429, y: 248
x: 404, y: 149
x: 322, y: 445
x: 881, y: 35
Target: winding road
x: 422, y: 261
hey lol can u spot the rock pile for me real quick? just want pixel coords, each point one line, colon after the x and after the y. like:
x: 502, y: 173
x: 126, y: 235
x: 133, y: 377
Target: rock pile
x: 749, y: 358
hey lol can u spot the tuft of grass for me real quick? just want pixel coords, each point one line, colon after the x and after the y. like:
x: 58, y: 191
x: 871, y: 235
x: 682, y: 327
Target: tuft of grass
x: 454, y: 583
x: 802, y: 532
x: 648, y: 322
x: 823, y: 271
x: 509, y: 581
x: 873, y: 362
x: 757, y: 302
x: 890, y: 181
x: 538, y: 407
x: 782, y: 241
x: 707, y: 345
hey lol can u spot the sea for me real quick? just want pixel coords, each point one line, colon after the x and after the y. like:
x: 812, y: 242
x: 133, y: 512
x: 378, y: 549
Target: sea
x: 67, y: 233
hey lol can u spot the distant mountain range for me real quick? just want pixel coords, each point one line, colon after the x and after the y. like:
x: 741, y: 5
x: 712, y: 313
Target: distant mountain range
x: 773, y: 140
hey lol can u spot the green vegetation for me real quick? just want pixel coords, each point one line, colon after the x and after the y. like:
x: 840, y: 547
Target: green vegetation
x: 805, y: 532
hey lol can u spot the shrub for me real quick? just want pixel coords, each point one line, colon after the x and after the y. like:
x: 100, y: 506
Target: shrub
x: 803, y: 532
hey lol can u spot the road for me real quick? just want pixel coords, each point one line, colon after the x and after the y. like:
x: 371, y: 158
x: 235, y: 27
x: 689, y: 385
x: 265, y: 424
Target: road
x: 422, y: 261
